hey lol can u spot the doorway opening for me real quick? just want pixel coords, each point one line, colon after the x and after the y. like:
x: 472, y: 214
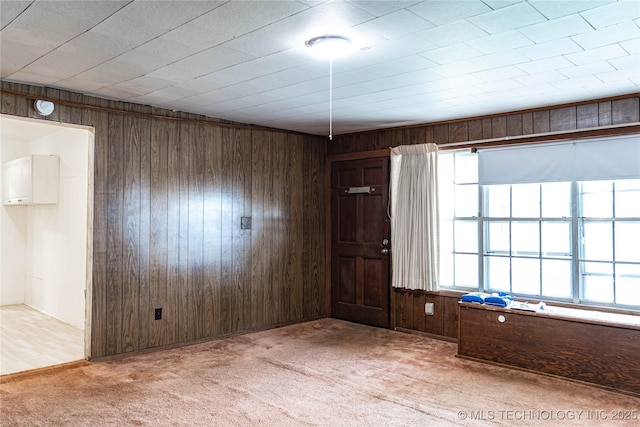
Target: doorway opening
x: 46, y: 245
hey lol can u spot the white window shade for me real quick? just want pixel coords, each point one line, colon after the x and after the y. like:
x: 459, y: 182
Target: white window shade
x: 580, y: 160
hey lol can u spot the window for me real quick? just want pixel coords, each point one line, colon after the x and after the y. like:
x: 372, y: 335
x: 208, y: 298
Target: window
x: 576, y: 241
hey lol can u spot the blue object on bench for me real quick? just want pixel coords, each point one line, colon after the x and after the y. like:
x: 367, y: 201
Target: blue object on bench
x: 500, y: 300
x: 475, y: 297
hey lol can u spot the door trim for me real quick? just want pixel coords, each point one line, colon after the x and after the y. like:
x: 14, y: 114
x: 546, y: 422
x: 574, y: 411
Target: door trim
x: 327, y: 206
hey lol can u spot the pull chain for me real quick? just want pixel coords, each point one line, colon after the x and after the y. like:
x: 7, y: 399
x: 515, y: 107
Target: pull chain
x: 330, y: 99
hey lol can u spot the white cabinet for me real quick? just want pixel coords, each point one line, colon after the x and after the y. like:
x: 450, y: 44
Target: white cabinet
x: 31, y: 180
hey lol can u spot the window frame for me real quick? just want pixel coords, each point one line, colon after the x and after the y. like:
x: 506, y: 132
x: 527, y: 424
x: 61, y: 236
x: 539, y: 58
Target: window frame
x: 575, y: 258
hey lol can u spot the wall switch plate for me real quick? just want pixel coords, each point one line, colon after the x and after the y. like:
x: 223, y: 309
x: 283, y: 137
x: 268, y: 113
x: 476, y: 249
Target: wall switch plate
x: 428, y: 308
x: 158, y: 313
x: 245, y: 223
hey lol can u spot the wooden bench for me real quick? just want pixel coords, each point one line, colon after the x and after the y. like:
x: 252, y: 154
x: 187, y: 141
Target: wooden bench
x: 590, y: 346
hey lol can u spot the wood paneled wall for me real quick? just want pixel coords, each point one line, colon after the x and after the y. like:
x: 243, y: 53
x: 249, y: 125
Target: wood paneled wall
x: 566, y: 118
x: 409, y: 312
x: 168, y: 198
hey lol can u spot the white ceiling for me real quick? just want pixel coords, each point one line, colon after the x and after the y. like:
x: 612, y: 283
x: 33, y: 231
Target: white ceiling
x: 415, y: 61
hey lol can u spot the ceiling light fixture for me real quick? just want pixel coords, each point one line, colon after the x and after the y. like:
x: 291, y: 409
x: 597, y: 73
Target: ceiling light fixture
x: 329, y: 47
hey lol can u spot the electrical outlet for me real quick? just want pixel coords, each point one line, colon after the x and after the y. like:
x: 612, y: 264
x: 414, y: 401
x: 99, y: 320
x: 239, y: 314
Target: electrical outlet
x: 158, y: 313
x: 428, y: 308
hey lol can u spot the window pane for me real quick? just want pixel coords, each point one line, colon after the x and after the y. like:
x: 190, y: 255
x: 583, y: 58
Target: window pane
x: 556, y: 238
x: 525, y: 275
x: 446, y: 187
x: 596, y: 199
x: 466, y: 168
x: 446, y: 269
x: 466, y: 236
x: 446, y: 236
x: 628, y: 241
x: 497, y: 273
x: 627, y: 197
x: 466, y: 270
x: 628, y: 284
x: 497, y: 237
x: 525, y: 238
x: 556, y: 278
x: 556, y: 200
x: 596, y: 279
x: 445, y: 168
x: 466, y: 200
x: 526, y: 200
x: 497, y: 201
x: 597, y: 240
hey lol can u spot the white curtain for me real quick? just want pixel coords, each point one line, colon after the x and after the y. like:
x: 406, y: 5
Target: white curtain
x: 414, y: 217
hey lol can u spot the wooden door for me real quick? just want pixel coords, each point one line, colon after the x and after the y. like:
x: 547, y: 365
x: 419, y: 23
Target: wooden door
x: 359, y: 240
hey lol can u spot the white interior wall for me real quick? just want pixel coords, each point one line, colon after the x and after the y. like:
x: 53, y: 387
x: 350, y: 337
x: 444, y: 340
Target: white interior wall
x: 44, y: 247
x: 13, y: 229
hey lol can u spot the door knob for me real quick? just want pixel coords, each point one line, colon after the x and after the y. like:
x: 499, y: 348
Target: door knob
x: 384, y: 251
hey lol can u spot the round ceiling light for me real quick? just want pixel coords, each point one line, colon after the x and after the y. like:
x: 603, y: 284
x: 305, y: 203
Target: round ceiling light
x: 44, y: 108
x: 329, y: 46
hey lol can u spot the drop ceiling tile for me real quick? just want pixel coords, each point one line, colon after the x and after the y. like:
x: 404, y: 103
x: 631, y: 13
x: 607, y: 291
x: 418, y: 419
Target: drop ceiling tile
x: 25, y: 76
x: 155, y: 54
x: 500, y: 42
x: 192, y: 37
x: 557, y: 9
x: 587, y: 69
x: 78, y: 84
x: 599, y: 54
x: 511, y: 17
x: 557, y: 28
x: 145, y: 85
x: 139, y: 22
x: 456, y: 68
x: 499, y: 4
x: 540, y: 78
x: 631, y: 46
x: 543, y: 65
x: 202, y: 63
x: 111, y: 72
x: 395, y: 48
x: 606, y: 89
x: 325, y: 18
x: 15, y: 55
x: 400, y: 23
x: 535, y: 89
x: 257, y: 44
x: 379, y: 8
x: 281, y: 61
x: 10, y: 10
x: 453, y: 53
x: 451, y: 34
x: 550, y: 49
x: 496, y: 86
x: 500, y: 73
x: 576, y: 83
x: 446, y: 12
x: 608, y: 35
x: 613, y: 13
x: 499, y: 59
x: 617, y: 75
x: 176, y: 92
x: 630, y: 62
x: 238, y: 73
x: 455, y: 87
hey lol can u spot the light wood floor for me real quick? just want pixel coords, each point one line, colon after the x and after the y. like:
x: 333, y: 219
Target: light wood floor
x: 30, y: 339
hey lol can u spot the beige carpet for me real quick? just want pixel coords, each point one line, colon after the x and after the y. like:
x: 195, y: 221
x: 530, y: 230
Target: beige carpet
x: 321, y: 373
